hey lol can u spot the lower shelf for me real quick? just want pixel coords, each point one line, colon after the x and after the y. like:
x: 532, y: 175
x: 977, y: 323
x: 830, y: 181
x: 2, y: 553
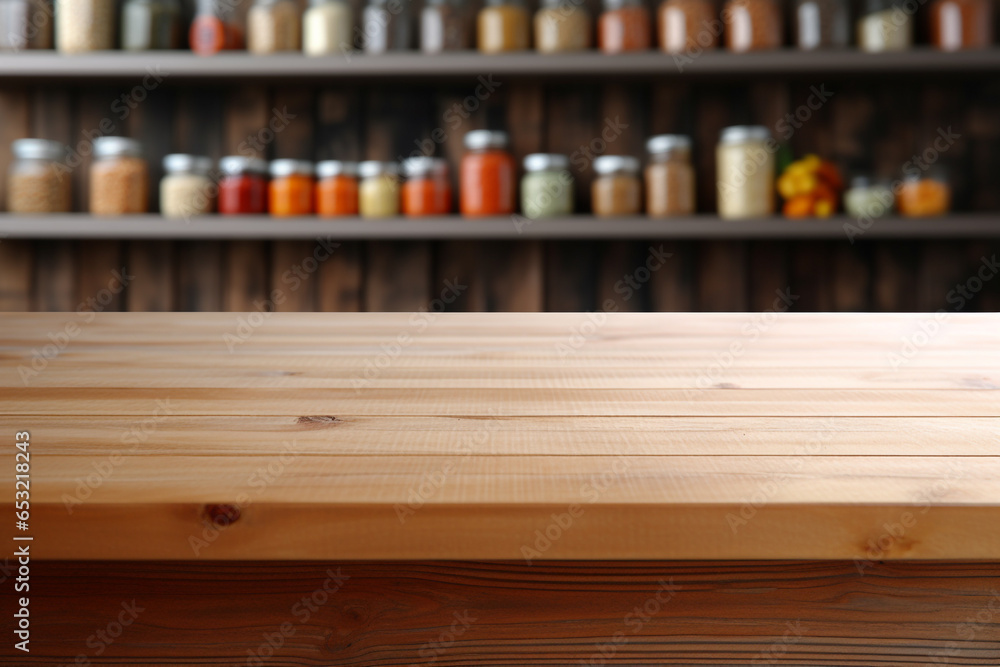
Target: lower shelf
x: 81, y: 226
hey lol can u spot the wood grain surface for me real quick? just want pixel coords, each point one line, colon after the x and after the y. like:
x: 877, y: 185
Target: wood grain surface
x: 475, y: 436
x: 788, y: 613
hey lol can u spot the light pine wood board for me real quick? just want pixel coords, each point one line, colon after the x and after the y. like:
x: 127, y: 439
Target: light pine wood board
x: 479, y: 429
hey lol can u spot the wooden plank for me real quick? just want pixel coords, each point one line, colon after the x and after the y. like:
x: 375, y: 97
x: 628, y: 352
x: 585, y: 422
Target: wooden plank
x: 339, y: 281
x: 16, y: 257
x: 153, y: 267
x: 397, y: 276
x: 294, y: 265
x: 502, y: 613
x: 199, y: 277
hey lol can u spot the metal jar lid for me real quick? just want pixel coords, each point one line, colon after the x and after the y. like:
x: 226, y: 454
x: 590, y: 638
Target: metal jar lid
x: 179, y: 163
x: 613, y: 164
x: 116, y: 147
x: 419, y: 167
x: 237, y: 165
x: 38, y: 149
x: 372, y: 168
x: 334, y: 168
x: 546, y: 162
x: 668, y: 143
x: 741, y: 134
x: 283, y: 168
x: 478, y: 140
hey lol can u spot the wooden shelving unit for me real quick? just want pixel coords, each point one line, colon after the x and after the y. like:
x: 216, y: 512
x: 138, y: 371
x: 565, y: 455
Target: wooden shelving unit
x: 704, y: 227
x: 184, y: 65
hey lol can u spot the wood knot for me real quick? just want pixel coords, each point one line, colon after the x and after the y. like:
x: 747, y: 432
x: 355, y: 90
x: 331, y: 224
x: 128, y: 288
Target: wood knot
x: 221, y: 515
x: 319, y: 421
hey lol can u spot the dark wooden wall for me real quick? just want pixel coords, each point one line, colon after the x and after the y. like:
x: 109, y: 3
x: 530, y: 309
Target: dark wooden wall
x: 867, y: 124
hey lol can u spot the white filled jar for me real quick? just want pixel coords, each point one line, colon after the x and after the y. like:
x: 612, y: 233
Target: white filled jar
x: 326, y: 27
x: 884, y: 26
x: 744, y: 161
x: 186, y: 189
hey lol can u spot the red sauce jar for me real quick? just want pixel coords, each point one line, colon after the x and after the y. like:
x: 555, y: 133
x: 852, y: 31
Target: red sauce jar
x: 336, y: 188
x: 427, y: 190
x: 625, y: 25
x: 487, y: 175
x: 213, y: 28
x: 243, y: 188
x: 292, y: 190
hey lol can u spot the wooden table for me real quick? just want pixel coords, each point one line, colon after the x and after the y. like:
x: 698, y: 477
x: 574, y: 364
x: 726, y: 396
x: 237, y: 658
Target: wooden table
x: 560, y: 489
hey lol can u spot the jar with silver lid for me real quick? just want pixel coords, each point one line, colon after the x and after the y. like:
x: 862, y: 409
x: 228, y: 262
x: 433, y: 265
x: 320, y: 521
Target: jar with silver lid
x: 273, y: 26
x: 327, y: 26
x: 186, y: 189
x: 744, y: 160
x: 242, y: 186
x: 617, y: 189
x: 37, y: 181
x: 119, y: 177
x: 669, y: 176
x: 487, y: 179
x: 387, y: 25
x: 378, y: 194
x: 336, y: 188
x: 85, y: 25
x: 427, y: 189
x: 547, y: 186
x: 26, y: 24
x: 291, y: 191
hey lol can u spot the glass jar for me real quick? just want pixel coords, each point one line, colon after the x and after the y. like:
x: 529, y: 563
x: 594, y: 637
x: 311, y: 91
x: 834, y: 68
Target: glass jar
x: 822, y: 24
x: 185, y: 189
x: 624, y: 25
x: 445, y: 26
x: 85, y: 25
x: 326, y: 27
x: 387, y: 25
x: 547, y: 186
x: 745, y: 172
x: 243, y: 186
x: 336, y: 188
x: 503, y: 26
x: 119, y: 177
x: 884, y: 26
x: 273, y: 26
x: 753, y: 25
x: 923, y: 195
x: 961, y: 24
x: 685, y: 25
x: 487, y: 175
x: 214, y: 28
x: 378, y: 195
x: 36, y: 181
x: 617, y: 189
x: 561, y: 26
x: 151, y: 24
x: 427, y: 190
x: 865, y: 199
x: 669, y: 176
x: 25, y: 24
x: 291, y: 189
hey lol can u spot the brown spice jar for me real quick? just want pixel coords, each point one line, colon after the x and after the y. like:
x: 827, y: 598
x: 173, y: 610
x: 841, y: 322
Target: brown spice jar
x: 752, y: 25
x: 118, y: 186
x: 669, y: 189
x: 616, y: 194
x: 961, y: 24
x: 685, y: 25
x: 41, y: 189
x: 625, y: 28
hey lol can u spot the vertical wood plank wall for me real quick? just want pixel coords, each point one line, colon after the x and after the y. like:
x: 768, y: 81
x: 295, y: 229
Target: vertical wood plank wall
x: 866, y: 124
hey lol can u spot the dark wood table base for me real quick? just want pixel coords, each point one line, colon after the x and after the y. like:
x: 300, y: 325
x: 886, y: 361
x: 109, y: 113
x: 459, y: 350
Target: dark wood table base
x: 510, y: 613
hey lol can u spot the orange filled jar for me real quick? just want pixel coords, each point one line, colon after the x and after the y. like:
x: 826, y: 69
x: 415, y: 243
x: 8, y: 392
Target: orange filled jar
x: 487, y: 175
x: 336, y: 188
x: 291, y: 189
x: 624, y: 26
x: 427, y: 190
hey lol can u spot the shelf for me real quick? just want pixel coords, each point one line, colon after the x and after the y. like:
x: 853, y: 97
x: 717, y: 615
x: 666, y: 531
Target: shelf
x: 184, y: 65
x: 79, y: 226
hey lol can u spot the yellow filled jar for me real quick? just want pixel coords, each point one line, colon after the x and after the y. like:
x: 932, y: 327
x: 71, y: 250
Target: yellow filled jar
x: 745, y: 172
x: 617, y: 189
x: 378, y: 194
x: 562, y: 25
x: 503, y: 26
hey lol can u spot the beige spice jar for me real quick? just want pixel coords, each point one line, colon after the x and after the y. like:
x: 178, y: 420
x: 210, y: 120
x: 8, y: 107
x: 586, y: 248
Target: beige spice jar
x: 119, y: 177
x: 273, y: 26
x: 669, y: 176
x: 36, y: 181
x: 617, y: 189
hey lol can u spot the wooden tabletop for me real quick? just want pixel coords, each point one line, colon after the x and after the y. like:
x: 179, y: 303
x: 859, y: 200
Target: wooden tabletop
x: 507, y: 436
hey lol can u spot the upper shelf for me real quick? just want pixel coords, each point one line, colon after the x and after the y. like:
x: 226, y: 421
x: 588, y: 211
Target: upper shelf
x: 78, y: 226
x: 187, y: 66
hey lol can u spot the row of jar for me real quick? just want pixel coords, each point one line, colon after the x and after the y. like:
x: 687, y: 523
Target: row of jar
x: 329, y: 26
x: 745, y: 164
